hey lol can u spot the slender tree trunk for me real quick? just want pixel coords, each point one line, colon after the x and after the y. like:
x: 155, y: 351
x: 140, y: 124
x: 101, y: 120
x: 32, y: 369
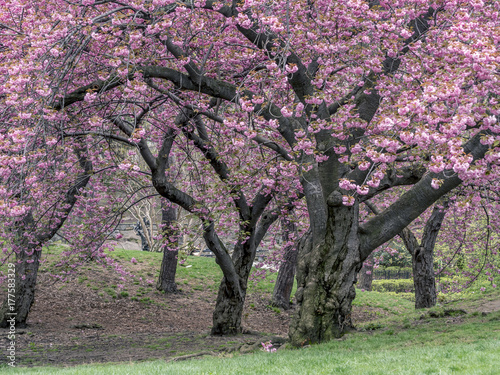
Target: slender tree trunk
x: 423, y: 278
x: 286, y: 274
x: 326, y: 274
x: 166, y: 280
x: 423, y: 257
x: 366, y: 274
x: 27, y: 263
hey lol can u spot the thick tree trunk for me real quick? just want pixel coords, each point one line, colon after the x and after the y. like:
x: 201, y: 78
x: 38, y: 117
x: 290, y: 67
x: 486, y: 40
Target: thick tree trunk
x: 166, y: 280
x: 27, y: 263
x: 366, y: 275
x: 228, y: 311
x: 326, y: 274
x: 286, y: 274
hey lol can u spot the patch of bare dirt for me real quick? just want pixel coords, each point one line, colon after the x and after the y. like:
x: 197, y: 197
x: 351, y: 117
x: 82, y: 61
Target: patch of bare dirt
x: 490, y: 306
x: 76, y: 322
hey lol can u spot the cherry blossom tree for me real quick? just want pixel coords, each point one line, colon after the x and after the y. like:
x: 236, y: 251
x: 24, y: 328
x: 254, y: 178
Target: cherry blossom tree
x: 338, y: 101
x: 28, y: 225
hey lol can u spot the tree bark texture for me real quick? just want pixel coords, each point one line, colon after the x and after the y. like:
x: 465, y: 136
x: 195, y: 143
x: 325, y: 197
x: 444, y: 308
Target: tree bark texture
x: 229, y: 305
x: 326, y: 274
x: 27, y: 263
x: 286, y: 273
x: 423, y: 278
x: 166, y: 280
x: 286, y: 276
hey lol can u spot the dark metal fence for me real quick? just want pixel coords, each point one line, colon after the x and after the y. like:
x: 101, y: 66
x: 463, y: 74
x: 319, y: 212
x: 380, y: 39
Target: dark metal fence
x: 391, y: 274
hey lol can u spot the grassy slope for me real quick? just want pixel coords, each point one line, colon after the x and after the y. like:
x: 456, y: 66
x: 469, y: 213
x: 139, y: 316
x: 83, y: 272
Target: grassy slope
x: 398, y: 342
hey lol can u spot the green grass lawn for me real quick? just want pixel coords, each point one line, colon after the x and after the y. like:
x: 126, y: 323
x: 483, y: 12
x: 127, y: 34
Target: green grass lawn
x: 430, y: 346
x: 400, y: 341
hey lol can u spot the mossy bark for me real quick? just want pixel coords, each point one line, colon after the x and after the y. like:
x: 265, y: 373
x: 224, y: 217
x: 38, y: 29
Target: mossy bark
x: 326, y: 274
x: 228, y: 311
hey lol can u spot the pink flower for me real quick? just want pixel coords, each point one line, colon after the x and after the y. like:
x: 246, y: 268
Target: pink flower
x: 133, y: 260
x: 268, y: 347
x: 364, y: 165
x: 90, y: 97
x: 436, y: 183
x: 286, y: 113
x: 347, y: 200
x: 362, y: 190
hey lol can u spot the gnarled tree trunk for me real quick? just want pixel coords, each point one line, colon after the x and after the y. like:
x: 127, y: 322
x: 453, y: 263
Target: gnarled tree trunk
x: 229, y: 305
x: 326, y: 274
x: 166, y: 280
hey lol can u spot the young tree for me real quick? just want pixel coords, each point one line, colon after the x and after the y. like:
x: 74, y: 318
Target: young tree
x: 422, y: 255
x: 349, y: 98
x: 468, y: 226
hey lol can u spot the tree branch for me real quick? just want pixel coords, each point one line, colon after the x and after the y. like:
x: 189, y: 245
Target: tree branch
x: 413, y: 203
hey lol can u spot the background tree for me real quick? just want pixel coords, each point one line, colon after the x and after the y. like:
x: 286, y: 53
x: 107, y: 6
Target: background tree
x: 170, y: 241
x: 286, y: 273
